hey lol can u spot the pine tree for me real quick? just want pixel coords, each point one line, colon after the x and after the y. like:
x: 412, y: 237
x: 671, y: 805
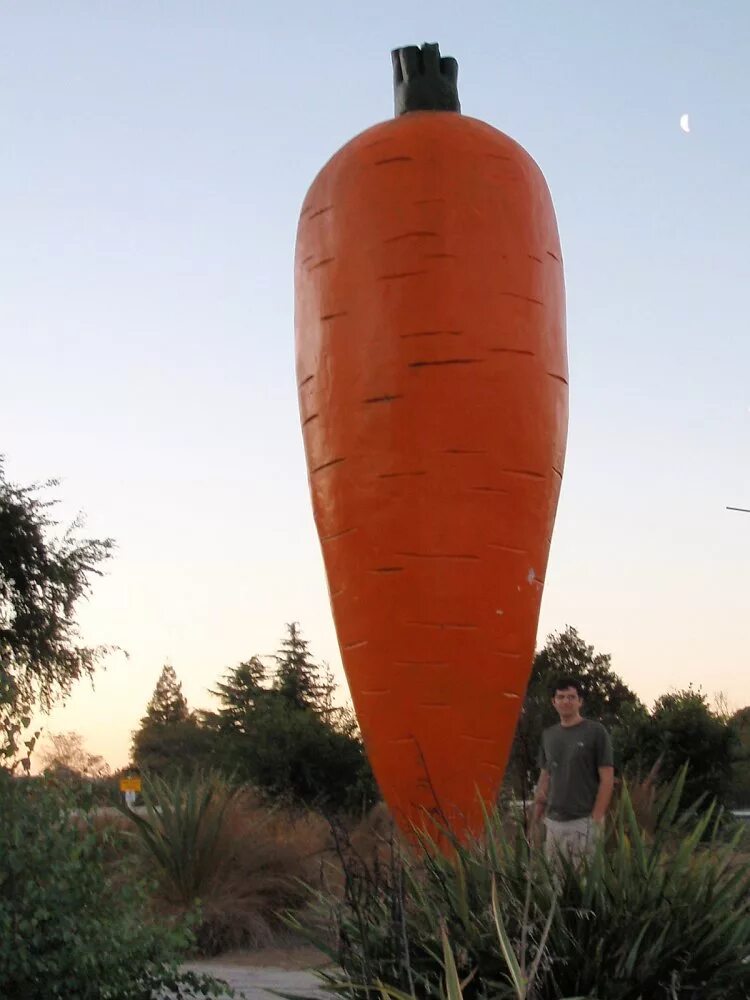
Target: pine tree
x: 297, y: 676
x: 168, y: 704
x: 238, y: 696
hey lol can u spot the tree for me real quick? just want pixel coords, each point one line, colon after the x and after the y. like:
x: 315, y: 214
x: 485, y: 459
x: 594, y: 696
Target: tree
x: 739, y: 794
x: 238, y: 694
x: 285, y: 735
x: 65, y: 753
x: 606, y: 698
x: 44, y: 574
x: 682, y: 728
x: 168, y: 704
x: 170, y: 738
x: 297, y: 675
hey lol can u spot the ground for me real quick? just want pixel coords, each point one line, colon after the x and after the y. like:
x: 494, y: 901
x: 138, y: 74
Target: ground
x: 253, y: 974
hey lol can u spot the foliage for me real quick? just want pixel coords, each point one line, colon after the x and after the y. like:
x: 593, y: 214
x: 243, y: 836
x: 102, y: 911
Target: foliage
x: 213, y: 846
x: 171, y: 739
x: 62, y: 753
x: 663, y: 918
x: 182, y: 829
x: 66, y: 929
x: 173, y: 749
x: 44, y: 574
x: 168, y: 704
x: 283, y: 734
x: 739, y: 791
x: 682, y: 728
x: 606, y: 698
x: 298, y: 678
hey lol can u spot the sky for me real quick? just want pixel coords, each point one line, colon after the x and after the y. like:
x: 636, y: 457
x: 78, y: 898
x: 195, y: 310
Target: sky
x: 154, y: 160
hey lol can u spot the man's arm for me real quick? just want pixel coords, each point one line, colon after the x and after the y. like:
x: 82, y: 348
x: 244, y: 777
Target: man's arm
x: 604, y: 795
x: 540, y: 795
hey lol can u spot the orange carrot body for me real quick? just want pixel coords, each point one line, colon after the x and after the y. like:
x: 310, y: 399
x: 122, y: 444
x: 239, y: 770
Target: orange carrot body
x: 432, y: 372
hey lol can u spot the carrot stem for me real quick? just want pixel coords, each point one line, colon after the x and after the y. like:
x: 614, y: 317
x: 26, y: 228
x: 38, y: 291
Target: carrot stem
x: 423, y: 80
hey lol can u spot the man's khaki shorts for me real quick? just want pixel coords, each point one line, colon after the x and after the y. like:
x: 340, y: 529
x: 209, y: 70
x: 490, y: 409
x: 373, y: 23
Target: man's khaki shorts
x: 574, y: 838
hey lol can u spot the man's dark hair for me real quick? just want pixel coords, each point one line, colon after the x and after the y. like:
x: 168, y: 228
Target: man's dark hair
x: 564, y: 682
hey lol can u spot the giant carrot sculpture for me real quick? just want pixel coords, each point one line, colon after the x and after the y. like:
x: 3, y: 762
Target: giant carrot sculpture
x: 431, y: 363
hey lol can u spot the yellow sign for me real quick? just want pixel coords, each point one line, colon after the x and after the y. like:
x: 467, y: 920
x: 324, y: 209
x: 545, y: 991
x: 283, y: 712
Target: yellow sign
x: 130, y: 784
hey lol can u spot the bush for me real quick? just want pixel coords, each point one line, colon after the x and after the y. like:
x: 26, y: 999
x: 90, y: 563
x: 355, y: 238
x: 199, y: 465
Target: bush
x: 216, y: 848
x: 662, y: 918
x: 66, y: 929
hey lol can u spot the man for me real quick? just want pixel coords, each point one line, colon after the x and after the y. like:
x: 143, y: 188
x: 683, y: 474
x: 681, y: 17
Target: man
x: 577, y: 775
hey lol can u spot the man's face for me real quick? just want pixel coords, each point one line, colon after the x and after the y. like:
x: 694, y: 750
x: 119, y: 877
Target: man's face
x: 568, y: 703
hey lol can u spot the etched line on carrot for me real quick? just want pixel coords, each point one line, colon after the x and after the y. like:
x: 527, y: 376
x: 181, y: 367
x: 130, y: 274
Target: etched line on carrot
x: 327, y: 465
x: 383, y: 399
x: 321, y: 211
x: 523, y: 473
x: 511, y: 694
x: 388, y: 569
x: 553, y: 256
x: 464, y: 451
x: 393, y: 159
x: 557, y: 471
x: 356, y: 645
x: 488, y: 489
x: 444, y: 361
x: 307, y: 420
x: 305, y: 381
x: 532, y: 256
x: 412, y: 232
x: 476, y: 739
x: 506, y: 654
x: 399, y: 475
x: 513, y: 350
x: 429, y: 201
x: 401, y: 274
x: 321, y: 263
x: 560, y: 378
x: 338, y: 534
x: 329, y: 316
x: 524, y: 298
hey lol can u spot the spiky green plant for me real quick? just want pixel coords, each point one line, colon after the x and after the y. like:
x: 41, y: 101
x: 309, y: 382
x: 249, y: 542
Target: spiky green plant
x: 182, y: 831
x: 650, y: 917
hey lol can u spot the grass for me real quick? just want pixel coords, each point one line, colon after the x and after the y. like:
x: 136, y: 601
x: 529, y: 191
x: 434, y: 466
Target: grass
x: 219, y: 850
x: 661, y: 915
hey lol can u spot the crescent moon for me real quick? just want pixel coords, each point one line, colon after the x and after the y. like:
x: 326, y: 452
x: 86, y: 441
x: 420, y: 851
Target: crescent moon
x: 685, y: 123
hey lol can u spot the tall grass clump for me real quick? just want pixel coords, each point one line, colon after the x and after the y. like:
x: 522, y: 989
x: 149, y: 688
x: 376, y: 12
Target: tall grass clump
x: 661, y: 916
x: 219, y: 851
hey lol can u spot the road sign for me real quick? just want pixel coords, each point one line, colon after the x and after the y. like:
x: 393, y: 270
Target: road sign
x: 130, y: 784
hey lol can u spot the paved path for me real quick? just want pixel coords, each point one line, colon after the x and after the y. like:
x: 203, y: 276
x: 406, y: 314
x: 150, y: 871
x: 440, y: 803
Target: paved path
x: 253, y: 982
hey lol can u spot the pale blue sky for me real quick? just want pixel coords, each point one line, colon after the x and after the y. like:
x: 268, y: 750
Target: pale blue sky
x: 155, y: 156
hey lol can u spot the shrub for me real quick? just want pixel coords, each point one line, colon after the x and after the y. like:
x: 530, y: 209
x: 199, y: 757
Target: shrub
x: 650, y: 918
x: 217, y: 848
x: 66, y: 929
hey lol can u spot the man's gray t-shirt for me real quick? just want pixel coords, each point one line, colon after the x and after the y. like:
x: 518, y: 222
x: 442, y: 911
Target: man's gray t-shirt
x: 573, y: 756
